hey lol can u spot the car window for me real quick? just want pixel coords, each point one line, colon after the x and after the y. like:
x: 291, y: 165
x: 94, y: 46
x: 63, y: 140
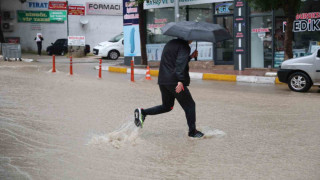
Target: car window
x: 59, y: 42
x: 116, y: 38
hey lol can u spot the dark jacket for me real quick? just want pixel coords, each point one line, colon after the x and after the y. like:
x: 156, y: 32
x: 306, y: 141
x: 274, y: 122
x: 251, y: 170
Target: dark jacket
x: 174, y: 66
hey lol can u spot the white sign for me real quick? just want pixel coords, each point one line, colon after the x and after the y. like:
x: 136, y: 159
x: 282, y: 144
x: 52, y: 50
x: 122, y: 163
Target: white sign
x: 205, y: 52
x: 94, y: 8
x: 76, y: 41
x: 153, y: 4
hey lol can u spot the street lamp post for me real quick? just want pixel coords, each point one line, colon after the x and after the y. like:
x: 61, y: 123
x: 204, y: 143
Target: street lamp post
x: 176, y: 10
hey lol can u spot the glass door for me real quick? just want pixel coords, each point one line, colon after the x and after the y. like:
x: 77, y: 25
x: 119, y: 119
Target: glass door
x: 224, y: 50
x: 261, y: 42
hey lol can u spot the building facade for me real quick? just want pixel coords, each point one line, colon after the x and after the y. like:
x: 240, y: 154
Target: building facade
x: 258, y: 37
x: 97, y: 20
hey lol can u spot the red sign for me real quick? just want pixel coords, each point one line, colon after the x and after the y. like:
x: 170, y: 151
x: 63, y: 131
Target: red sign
x: 57, y: 5
x: 260, y: 30
x: 15, y: 40
x: 77, y: 10
x: 239, y: 35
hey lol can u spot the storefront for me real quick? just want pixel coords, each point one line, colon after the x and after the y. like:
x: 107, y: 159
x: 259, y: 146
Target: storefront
x: 267, y: 31
x: 258, y: 37
x: 213, y: 11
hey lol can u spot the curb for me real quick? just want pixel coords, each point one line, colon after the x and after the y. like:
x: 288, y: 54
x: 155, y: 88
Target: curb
x: 203, y: 76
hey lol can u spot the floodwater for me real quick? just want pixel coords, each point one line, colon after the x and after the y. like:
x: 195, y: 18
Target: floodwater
x: 57, y: 126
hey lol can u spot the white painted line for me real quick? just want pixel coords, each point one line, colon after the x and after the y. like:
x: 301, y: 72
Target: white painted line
x: 240, y: 62
x: 239, y: 41
x: 104, y: 68
x: 195, y: 75
x: 239, y: 12
x: 250, y: 79
x: 265, y: 80
x: 239, y: 27
x: 271, y: 74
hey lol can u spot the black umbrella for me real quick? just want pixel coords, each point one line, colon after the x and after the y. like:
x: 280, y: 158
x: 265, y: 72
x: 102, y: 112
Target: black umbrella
x: 196, y: 31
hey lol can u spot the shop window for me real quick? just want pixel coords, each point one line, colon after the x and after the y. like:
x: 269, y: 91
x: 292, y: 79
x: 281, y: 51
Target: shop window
x: 306, y: 38
x: 261, y: 42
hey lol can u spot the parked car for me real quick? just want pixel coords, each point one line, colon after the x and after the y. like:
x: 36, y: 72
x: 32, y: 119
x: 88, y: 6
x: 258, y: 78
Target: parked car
x: 301, y: 73
x: 111, y: 49
x: 60, y: 47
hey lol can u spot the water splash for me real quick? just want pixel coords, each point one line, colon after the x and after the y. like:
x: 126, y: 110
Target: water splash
x: 128, y: 133
x: 209, y: 132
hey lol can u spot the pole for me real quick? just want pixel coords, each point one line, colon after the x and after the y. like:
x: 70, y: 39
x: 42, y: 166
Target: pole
x: 100, y: 68
x: 176, y: 11
x: 71, y: 72
x: 132, y: 69
x: 53, y: 63
x: 67, y: 19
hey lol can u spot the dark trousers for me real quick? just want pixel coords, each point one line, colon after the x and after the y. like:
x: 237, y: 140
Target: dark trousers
x: 184, y: 98
x: 39, y: 44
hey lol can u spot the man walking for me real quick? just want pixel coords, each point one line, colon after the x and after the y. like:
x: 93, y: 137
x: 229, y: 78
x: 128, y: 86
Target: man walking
x: 39, y: 40
x: 173, y: 81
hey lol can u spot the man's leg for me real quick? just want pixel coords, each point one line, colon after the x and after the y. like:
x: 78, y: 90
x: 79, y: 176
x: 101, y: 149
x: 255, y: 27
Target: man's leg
x: 189, y: 106
x: 167, y: 103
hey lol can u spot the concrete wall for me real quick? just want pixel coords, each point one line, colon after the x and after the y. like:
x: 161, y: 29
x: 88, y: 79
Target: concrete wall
x: 100, y: 27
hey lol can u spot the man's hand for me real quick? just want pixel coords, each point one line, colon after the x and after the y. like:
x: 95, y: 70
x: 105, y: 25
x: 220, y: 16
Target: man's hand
x: 194, y: 54
x: 179, y: 87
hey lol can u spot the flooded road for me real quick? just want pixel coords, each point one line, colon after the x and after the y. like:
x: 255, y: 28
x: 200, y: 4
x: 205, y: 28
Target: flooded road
x: 57, y: 126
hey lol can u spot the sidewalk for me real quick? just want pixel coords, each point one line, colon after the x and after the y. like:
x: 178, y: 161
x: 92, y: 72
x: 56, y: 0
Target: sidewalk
x: 220, y: 73
x: 263, y: 76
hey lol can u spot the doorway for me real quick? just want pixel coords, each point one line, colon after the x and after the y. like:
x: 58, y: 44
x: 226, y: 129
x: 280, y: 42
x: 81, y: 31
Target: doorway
x: 223, y: 51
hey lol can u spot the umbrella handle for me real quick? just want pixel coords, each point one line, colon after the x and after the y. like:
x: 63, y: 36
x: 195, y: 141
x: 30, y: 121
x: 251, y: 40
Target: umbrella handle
x: 196, y: 58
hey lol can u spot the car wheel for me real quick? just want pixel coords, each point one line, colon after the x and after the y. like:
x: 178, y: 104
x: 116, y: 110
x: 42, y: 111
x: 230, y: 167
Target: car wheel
x: 299, y: 82
x: 114, y: 55
x: 63, y: 53
x: 49, y: 53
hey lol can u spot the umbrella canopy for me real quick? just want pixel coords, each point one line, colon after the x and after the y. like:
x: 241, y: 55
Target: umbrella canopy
x: 196, y: 31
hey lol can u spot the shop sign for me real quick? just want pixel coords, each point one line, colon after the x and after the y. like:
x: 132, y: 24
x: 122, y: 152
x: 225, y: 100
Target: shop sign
x: 37, y: 5
x: 14, y: 40
x: 239, y: 4
x: 239, y: 19
x: 304, y: 25
x: 131, y: 34
x: 240, y: 51
x: 42, y: 16
x: 158, y: 23
x: 223, y: 8
x: 76, y: 40
x: 130, y: 13
x: 153, y: 4
x: 261, y: 35
x: 58, y: 15
x: 258, y: 30
x: 57, y: 5
x: 239, y: 35
x: 76, y: 10
x: 94, y: 8
x: 312, y: 15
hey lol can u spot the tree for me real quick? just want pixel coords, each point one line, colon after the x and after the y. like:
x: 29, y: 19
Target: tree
x: 290, y: 8
x: 142, y: 31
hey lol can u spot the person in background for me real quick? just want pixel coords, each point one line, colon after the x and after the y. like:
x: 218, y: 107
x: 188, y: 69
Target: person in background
x: 173, y: 81
x: 39, y: 40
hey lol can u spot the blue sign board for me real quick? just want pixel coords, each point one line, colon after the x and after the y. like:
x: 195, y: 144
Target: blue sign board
x: 131, y: 28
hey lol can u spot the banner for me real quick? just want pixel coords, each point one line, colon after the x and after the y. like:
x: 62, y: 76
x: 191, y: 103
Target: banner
x: 76, y: 41
x: 42, y: 16
x: 57, y: 5
x: 94, y: 8
x: 131, y: 28
x: 76, y: 10
x: 153, y: 4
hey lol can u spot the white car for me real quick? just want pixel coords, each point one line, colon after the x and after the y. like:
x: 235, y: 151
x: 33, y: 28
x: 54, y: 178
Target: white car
x: 111, y: 49
x: 301, y: 73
